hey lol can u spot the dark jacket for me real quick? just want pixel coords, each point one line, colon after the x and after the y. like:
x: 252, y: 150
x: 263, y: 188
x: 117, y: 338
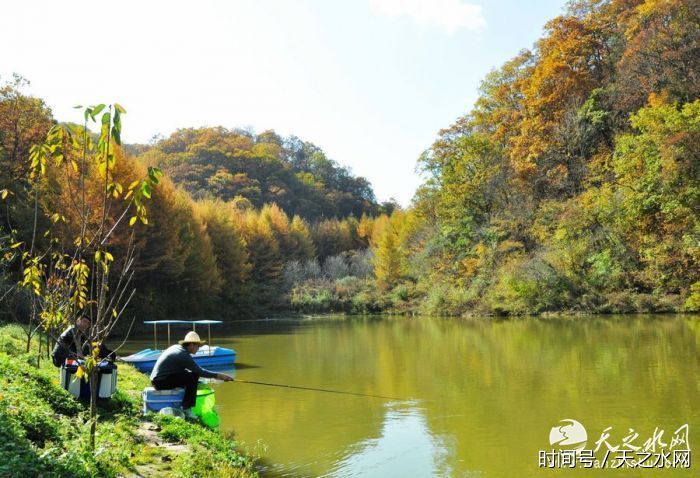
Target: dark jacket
x: 66, y: 347
x: 174, y: 360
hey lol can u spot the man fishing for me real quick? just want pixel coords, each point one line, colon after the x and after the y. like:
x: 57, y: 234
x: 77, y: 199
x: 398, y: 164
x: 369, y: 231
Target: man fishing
x: 75, y: 338
x: 176, y: 368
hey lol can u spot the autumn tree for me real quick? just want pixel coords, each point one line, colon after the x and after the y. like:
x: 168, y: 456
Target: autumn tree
x: 78, y: 276
x: 229, y: 248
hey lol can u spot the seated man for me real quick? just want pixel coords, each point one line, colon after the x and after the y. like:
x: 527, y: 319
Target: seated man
x: 176, y: 368
x: 75, y: 338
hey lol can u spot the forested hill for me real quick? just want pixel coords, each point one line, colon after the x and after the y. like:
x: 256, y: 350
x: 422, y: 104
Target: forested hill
x: 573, y: 184
x: 575, y: 180
x: 235, y: 165
x: 262, y: 212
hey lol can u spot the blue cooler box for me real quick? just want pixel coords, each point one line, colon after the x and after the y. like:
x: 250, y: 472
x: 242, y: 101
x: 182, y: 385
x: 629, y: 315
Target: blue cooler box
x: 154, y: 400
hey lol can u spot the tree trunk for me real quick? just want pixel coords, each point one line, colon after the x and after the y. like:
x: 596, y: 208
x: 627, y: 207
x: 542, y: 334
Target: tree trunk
x: 93, y: 407
x: 29, y: 332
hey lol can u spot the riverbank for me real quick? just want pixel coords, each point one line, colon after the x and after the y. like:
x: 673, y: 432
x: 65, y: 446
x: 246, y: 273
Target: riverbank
x: 44, y: 431
x: 363, y: 296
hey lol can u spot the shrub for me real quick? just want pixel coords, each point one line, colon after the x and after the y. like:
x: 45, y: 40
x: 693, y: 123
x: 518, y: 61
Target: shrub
x: 447, y: 300
x: 314, y: 298
x: 335, y: 267
x: 293, y: 273
x: 400, y: 293
x: 311, y: 269
x: 692, y: 303
x: 362, y: 263
x: 618, y: 303
x: 369, y: 300
x: 528, y: 286
x: 668, y: 303
x: 347, y: 287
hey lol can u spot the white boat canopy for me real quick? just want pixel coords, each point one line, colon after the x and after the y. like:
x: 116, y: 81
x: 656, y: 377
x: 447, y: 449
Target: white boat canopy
x: 194, y: 323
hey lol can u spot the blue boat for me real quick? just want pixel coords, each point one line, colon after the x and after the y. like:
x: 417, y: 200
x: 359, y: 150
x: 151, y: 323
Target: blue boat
x: 206, y: 356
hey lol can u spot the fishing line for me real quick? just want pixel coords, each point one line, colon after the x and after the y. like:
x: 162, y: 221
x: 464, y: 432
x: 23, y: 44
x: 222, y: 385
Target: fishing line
x: 316, y: 389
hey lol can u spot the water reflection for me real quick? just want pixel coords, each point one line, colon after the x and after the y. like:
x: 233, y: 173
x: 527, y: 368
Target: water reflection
x: 405, y: 447
x: 480, y: 396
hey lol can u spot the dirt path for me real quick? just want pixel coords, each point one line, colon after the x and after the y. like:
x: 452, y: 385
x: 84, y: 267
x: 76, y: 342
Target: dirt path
x: 159, y: 453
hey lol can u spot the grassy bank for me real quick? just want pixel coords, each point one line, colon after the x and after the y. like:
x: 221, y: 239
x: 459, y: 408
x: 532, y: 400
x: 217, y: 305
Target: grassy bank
x: 44, y: 431
x: 517, y: 297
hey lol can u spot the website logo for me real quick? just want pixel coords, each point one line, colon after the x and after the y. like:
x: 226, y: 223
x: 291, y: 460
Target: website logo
x: 615, y: 449
x: 568, y: 434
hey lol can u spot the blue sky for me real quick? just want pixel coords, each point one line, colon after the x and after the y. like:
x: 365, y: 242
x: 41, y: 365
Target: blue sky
x: 369, y: 81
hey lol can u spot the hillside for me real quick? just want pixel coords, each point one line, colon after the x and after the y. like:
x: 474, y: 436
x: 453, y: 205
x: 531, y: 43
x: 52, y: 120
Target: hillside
x: 261, y: 168
x: 574, y: 183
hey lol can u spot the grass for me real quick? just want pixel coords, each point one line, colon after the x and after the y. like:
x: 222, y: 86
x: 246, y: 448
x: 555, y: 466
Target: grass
x: 44, y: 431
x: 209, y: 449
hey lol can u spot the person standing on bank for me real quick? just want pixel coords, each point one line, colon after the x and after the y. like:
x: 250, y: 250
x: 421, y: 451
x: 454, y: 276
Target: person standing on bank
x: 176, y: 368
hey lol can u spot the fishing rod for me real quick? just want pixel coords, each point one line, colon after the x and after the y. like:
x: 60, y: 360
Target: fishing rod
x: 316, y: 389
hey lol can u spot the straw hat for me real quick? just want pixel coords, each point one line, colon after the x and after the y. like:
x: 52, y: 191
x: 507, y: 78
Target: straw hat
x: 191, y: 338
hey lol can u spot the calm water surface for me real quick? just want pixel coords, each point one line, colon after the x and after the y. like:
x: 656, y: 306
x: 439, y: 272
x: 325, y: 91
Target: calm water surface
x: 474, y: 398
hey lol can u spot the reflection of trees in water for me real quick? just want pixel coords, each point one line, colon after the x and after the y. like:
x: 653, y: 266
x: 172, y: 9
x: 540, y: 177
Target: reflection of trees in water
x: 512, y: 379
x: 490, y: 389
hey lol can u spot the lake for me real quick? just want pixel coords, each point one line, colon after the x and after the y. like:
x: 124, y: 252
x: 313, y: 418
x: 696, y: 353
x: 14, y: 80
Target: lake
x: 468, y: 398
